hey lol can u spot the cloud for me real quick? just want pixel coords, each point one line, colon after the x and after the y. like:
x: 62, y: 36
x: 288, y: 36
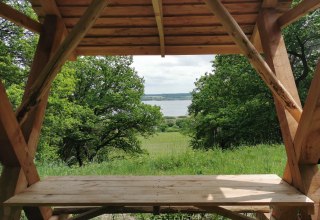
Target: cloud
x: 172, y: 74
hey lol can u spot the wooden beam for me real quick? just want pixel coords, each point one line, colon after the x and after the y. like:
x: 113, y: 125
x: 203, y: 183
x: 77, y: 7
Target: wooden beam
x: 16, y: 138
x: 297, y: 12
x: 50, y: 39
x: 19, y: 18
x: 8, y: 188
x: 45, y: 78
x: 20, y: 147
x: 257, y: 61
x: 89, y: 214
x: 277, y: 58
x: 255, y: 37
x: 225, y: 212
x: 163, y: 209
x: 50, y: 8
x: 157, y: 8
x: 307, y: 154
x: 154, y: 50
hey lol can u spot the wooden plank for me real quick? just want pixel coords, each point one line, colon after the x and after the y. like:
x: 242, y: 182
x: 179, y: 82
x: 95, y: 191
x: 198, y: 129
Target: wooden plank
x: 154, y: 41
x: 226, y: 213
x: 168, y: 10
x: 143, y: 2
x: 157, y: 8
x: 179, y: 21
x: 247, y: 178
x: 163, y: 209
x: 43, y: 82
x: 297, y: 12
x: 153, y: 50
x: 157, y: 193
x: 257, y: 61
x: 19, y: 18
x: 170, y: 31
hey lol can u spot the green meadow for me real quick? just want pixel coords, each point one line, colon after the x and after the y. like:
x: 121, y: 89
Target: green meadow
x: 170, y: 154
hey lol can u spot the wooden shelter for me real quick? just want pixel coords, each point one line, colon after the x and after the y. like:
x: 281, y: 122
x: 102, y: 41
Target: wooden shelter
x: 69, y: 28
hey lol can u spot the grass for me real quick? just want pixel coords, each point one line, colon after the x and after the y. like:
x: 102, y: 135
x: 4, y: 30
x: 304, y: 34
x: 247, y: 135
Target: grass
x: 166, y: 144
x: 169, y: 154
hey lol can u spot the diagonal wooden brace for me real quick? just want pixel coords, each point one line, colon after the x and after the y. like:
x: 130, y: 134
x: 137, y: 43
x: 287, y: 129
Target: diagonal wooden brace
x: 47, y: 75
x: 16, y: 138
x: 256, y: 60
x: 18, y: 143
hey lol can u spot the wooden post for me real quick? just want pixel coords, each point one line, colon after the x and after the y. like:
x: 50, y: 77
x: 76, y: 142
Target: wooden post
x: 277, y: 57
x: 13, y: 179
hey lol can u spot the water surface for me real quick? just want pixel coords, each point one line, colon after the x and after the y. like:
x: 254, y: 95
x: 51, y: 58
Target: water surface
x: 172, y: 107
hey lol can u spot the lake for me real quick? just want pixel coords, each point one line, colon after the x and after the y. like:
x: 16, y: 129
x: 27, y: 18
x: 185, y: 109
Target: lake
x: 172, y: 107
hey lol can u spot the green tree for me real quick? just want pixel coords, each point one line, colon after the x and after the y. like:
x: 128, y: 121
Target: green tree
x: 95, y: 106
x: 232, y: 106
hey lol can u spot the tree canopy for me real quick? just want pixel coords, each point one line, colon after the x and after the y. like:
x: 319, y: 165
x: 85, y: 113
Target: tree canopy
x: 232, y: 106
x: 94, y: 105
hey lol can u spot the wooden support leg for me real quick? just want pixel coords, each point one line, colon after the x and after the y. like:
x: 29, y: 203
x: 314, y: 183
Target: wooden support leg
x: 277, y: 58
x: 50, y: 38
x: 8, y: 187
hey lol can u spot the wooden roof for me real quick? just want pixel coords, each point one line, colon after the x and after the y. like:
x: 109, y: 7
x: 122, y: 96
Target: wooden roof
x: 129, y: 27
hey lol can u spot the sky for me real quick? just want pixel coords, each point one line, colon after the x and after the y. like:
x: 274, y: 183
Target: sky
x: 171, y: 74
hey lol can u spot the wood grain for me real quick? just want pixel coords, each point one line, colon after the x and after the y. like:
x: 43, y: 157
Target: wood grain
x: 219, y: 190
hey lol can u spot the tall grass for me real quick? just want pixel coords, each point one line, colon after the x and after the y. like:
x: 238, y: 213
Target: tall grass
x: 169, y: 154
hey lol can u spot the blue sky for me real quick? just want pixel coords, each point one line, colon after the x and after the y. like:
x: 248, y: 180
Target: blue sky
x: 171, y: 74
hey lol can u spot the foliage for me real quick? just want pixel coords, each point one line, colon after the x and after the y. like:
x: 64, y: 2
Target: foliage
x: 95, y: 106
x: 303, y: 45
x: 16, y: 52
x: 232, y: 106
x: 174, y: 124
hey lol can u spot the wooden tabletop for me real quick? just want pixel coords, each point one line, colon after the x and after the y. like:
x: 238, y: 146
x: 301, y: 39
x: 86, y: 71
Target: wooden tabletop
x: 203, y: 190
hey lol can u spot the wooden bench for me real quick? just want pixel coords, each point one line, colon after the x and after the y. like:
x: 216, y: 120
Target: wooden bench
x: 197, y: 191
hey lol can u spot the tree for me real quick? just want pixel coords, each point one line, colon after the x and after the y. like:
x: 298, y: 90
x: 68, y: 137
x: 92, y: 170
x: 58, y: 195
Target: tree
x: 303, y: 44
x: 232, y: 106
x: 95, y: 106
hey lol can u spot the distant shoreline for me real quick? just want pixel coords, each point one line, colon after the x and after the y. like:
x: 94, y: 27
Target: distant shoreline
x: 166, y: 97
